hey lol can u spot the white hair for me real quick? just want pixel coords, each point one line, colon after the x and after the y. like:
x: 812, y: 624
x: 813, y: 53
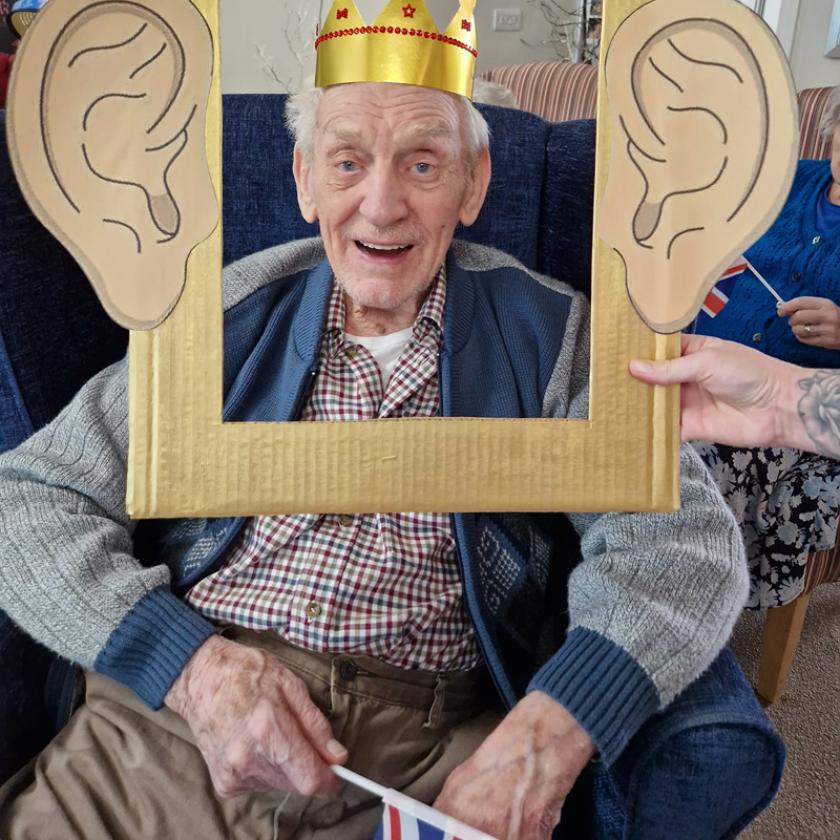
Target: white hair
x: 492, y: 93
x: 302, y: 118
x: 831, y: 114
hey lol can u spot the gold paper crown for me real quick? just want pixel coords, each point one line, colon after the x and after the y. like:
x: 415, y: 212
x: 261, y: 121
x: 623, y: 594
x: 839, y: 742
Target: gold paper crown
x: 402, y: 45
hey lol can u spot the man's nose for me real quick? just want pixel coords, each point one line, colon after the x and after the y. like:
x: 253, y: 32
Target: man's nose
x: 384, y: 203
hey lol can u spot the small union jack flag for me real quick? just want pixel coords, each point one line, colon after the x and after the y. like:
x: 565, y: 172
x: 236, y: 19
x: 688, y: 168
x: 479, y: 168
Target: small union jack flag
x: 720, y: 293
x: 406, y: 819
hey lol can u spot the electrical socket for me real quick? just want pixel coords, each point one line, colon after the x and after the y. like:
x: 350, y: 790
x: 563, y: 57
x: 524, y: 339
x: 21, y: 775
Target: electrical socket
x: 507, y: 20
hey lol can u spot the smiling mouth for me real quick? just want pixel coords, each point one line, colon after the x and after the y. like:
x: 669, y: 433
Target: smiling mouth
x: 387, y: 252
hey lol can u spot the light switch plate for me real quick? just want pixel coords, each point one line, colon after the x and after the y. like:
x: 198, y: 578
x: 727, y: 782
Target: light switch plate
x: 507, y: 20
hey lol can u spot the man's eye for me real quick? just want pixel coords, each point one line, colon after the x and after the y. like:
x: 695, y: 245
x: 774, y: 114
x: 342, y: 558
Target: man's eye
x: 347, y: 166
x: 423, y: 168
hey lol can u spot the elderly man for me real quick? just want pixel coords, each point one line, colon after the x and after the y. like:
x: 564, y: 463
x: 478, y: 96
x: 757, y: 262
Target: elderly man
x: 230, y: 663
x: 298, y: 642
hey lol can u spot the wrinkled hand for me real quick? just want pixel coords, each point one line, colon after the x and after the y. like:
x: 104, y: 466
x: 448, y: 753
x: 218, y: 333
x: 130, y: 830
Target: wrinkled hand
x: 814, y: 321
x: 515, y: 784
x: 730, y: 393
x: 254, y: 722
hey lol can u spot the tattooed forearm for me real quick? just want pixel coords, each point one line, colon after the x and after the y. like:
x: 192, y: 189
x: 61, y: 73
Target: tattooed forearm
x: 819, y: 411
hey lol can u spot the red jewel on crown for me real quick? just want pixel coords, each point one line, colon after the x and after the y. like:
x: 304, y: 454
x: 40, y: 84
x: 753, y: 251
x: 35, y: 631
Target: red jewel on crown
x: 408, y: 10
x: 341, y: 13
x: 465, y: 24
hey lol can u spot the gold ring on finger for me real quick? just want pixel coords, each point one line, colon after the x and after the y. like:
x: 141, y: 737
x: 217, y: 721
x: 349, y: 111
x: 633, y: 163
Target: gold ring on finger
x: 807, y: 329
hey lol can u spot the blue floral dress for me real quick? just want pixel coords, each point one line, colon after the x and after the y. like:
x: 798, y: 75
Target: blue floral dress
x: 787, y: 505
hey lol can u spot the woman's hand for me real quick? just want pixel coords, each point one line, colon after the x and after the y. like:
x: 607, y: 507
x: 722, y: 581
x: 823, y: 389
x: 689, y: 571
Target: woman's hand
x: 814, y: 321
x: 730, y: 393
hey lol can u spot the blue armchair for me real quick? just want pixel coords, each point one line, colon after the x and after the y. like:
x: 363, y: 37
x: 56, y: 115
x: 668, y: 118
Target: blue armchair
x: 53, y: 336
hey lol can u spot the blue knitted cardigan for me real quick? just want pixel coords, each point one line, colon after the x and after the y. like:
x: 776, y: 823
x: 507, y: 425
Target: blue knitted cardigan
x: 796, y: 261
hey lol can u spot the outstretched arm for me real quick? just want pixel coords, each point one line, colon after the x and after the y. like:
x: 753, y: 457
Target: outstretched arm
x: 735, y: 395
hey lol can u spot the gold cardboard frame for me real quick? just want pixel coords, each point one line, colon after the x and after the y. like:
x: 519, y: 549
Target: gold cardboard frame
x: 184, y: 461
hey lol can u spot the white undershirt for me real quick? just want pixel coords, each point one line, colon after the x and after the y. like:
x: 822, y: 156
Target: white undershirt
x: 386, y: 349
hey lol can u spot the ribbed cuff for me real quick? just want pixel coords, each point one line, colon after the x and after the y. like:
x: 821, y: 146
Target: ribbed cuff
x: 602, y: 686
x: 152, y: 644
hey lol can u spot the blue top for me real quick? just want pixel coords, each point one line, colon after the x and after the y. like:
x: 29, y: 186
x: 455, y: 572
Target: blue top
x: 797, y: 259
x: 828, y: 215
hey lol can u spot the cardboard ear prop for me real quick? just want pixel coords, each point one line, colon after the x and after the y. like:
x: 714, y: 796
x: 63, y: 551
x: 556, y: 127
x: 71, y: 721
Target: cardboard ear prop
x: 704, y: 111
x: 183, y: 459
x: 106, y: 130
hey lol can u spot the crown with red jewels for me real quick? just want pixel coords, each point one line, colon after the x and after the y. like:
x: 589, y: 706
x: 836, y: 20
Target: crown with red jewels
x: 402, y: 45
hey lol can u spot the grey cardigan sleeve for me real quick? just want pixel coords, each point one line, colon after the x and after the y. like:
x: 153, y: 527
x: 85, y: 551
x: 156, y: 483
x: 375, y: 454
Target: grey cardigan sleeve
x: 656, y: 595
x: 67, y: 572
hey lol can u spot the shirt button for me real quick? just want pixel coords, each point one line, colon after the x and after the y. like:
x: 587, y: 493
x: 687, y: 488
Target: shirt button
x: 345, y: 520
x: 313, y: 610
x: 816, y: 240
x: 796, y: 276
x: 757, y: 338
x: 352, y: 351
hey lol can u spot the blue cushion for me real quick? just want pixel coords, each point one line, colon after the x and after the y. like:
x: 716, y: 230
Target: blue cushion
x: 565, y: 233
x: 510, y: 217
x: 55, y: 332
x: 260, y: 201
x: 15, y: 424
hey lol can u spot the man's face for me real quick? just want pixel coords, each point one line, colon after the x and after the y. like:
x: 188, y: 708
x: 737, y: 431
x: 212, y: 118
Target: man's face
x: 389, y: 180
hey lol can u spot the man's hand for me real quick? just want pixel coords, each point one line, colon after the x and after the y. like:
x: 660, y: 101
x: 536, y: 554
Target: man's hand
x: 514, y: 786
x: 254, y: 722
x: 731, y: 394
x: 814, y: 321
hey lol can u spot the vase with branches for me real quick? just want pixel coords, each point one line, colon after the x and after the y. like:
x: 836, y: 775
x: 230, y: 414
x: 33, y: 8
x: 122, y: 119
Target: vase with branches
x: 574, y: 28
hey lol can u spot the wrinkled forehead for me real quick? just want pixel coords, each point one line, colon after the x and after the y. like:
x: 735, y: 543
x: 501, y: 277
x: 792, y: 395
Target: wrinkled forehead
x: 370, y: 112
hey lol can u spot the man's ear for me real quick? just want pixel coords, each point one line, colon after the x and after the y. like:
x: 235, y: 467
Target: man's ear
x: 302, y: 172
x: 477, y: 186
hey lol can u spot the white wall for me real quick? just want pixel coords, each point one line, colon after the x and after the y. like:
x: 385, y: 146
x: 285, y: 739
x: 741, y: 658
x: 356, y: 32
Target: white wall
x: 810, y: 67
x: 498, y: 49
x: 267, y: 44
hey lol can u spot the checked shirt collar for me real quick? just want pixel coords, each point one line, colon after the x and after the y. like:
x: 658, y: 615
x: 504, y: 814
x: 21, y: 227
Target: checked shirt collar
x: 428, y: 326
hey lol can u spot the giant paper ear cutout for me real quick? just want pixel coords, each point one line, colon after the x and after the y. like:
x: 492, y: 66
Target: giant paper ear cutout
x: 107, y: 137
x: 704, y: 149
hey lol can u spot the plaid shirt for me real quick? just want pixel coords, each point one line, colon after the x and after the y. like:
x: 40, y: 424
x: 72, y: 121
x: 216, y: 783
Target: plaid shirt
x: 386, y: 585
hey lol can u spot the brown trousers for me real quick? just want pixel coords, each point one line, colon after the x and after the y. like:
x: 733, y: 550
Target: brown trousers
x: 119, y: 771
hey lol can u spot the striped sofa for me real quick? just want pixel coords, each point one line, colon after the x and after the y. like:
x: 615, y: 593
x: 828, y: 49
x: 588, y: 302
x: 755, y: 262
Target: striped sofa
x: 562, y: 90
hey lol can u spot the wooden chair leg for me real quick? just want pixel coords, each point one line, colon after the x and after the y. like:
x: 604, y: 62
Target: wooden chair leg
x: 782, y: 630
